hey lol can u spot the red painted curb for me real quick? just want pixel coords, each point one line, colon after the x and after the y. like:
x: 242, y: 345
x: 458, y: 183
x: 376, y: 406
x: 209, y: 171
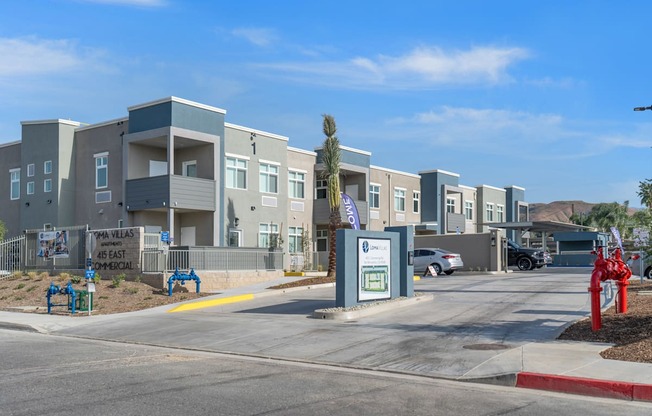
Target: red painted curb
x: 585, y: 386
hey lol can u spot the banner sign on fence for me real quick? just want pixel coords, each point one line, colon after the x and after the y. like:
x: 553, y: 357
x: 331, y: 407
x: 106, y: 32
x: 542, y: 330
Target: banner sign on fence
x: 53, y: 244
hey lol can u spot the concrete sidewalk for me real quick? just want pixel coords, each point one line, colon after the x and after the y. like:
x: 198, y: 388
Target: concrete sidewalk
x: 547, y: 364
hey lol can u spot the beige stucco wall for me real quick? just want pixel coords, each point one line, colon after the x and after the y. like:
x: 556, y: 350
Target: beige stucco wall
x: 477, y: 251
x: 386, y: 215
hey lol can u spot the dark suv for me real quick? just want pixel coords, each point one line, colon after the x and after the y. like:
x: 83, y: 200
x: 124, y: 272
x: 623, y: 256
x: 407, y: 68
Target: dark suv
x: 526, y: 258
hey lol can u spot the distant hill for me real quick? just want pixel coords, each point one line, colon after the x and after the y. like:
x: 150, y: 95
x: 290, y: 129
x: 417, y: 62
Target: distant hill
x: 560, y: 210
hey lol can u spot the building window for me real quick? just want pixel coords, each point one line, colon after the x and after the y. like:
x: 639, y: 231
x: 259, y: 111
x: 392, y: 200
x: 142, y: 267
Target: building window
x: 102, y: 197
x: 268, y: 235
x: 295, y: 239
x: 490, y: 212
x: 30, y: 170
x: 268, y: 178
x: 47, y: 185
x: 235, y: 238
x: 500, y: 213
x: 47, y: 167
x: 296, y: 184
x: 322, y: 240
x: 236, y: 173
x: 468, y: 210
x: 321, y: 189
x: 416, y: 199
x: 14, y: 184
x: 450, y: 205
x: 30, y: 188
x: 399, y: 199
x: 101, y: 170
x: 189, y: 168
x: 374, y: 196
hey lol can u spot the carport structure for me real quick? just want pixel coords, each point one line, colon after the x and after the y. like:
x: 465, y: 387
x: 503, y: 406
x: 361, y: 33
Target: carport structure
x: 543, y: 227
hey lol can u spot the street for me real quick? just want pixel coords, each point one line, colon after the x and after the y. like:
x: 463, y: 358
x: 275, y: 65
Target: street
x: 52, y: 375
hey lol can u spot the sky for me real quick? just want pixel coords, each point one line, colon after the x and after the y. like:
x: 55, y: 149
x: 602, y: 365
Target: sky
x: 534, y: 94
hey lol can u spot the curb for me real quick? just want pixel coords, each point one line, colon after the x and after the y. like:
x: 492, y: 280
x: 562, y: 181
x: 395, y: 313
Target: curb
x: 370, y: 309
x: 585, y: 386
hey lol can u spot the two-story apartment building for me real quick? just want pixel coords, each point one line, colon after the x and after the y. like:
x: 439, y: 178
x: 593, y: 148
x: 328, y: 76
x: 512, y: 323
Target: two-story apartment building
x: 176, y: 165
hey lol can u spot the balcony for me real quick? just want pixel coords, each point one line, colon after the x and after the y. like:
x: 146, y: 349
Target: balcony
x: 163, y: 192
x: 321, y: 211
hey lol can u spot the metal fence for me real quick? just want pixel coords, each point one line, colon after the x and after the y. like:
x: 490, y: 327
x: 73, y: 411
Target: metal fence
x: 74, y: 251
x: 212, y: 258
x: 11, y: 253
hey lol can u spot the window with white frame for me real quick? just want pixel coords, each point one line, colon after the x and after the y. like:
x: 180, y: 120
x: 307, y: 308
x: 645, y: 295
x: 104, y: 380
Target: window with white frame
x: 189, y: 168
x: 399, y: 199
x: 500, y: 213
x: 416, y: 201
x: 235, y: 237
x: 47, y: 167
x: 321, y: 189
x: 374, y: 196
x: 490, y: 212
x: 295, y: 237
x: 30, y: 188
x: 450, y: 205
x: 268, y: 178
x: 14, y: 183
x: 101, y: 170
x: 47, y: 185
x: 236, y: 173
x: 30, y: 170
x: 468, y: 210
x: 267, y: 235
x: 296, y: 184
x: 322, y: 240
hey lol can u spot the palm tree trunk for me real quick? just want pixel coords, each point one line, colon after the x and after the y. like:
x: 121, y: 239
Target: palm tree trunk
x: 334, y: 223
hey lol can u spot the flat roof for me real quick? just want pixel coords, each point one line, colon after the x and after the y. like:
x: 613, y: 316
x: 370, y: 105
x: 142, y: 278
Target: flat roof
x: 539, y: 226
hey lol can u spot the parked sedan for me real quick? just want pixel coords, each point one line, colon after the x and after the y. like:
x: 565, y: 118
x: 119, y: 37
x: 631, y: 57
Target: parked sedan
x: 442, y: 261
x: 635, y: 266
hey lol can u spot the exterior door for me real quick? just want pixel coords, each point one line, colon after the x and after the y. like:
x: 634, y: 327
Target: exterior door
x: 188, y: 236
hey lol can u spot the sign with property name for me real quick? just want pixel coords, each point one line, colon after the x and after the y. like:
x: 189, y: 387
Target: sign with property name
x: 374, y: 268
x: 117, y: 250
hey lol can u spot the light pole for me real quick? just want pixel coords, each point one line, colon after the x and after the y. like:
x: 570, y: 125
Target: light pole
x: 642, y: 108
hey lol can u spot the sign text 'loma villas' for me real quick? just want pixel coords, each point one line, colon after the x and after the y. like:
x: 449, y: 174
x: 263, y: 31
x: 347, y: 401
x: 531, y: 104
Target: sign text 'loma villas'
x: 114, y: 250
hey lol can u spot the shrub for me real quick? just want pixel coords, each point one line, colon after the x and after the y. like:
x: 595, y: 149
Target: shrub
x: 138, y: 279
x: 32, y: 275
x: 97, y: 278
x: 63, y: 277
x: 131, y: 290
x: 31, y: 288
x: 17, y: 274
x: 116, y: 280
x: 19, y: 286
x: 76, y: 279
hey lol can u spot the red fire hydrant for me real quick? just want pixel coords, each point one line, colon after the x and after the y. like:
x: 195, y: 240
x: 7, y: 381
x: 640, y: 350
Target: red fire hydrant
x: 612, y: 268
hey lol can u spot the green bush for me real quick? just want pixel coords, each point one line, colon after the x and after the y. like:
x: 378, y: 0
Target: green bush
x: 116, y: 280
x: 97, y: 278
x: 76, y: 279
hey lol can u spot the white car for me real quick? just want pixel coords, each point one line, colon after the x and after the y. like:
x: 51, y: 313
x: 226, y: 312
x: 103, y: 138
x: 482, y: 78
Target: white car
x: 442, y: 261
x: 635, y: 266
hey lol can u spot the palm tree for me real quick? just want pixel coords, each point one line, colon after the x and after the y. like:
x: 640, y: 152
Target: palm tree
x: 331, y: 158
x: 645, y: 192
x: 606, y: 215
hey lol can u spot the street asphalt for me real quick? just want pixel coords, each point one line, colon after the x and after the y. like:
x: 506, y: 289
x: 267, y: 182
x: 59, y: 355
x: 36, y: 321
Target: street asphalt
x: 472, y: 327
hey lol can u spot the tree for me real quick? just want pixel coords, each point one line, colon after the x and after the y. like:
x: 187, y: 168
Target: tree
x: 606, y: 215
x: 331, y: 158
x: 645, y: 193
x: 3, y: 230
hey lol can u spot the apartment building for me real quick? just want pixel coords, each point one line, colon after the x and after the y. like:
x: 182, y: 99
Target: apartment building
x: 176, y: 165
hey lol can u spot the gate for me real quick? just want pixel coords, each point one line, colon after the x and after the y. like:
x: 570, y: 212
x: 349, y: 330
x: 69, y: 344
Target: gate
x: 11, y: 255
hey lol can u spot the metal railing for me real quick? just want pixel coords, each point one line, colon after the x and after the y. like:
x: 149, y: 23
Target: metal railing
x: 212, y: 258
x: 11, y: 255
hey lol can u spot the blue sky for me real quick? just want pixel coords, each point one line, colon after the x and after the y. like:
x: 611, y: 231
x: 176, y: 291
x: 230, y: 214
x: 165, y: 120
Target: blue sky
x: 534, y: 94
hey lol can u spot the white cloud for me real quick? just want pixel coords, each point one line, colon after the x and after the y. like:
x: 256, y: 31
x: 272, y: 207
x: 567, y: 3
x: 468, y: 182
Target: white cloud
x: 29, y: 56
x: 422, y: 67
x: 258, y: 36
